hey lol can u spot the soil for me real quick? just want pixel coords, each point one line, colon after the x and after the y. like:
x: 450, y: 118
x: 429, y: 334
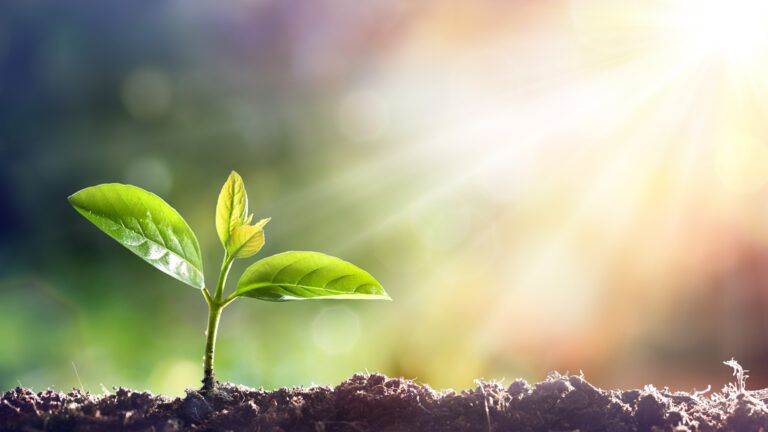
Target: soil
x: 377, y: 403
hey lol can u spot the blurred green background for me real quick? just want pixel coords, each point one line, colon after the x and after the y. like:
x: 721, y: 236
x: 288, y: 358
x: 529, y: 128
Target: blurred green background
x: 539, y: 186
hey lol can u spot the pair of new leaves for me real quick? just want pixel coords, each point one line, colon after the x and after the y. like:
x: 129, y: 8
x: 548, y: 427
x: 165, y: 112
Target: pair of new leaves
x: 149, y: 227
x: 239, y: 238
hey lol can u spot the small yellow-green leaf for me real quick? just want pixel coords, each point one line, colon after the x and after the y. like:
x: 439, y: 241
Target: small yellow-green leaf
x: 308, y: 275
x: 146, y: 225
x: 246, y: 240
x: 231, y: 208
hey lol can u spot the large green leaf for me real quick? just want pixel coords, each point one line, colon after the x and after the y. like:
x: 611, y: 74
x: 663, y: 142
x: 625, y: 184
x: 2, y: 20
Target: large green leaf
x: 146, y: 225
x: 307, y: 275
x: 231, y: 207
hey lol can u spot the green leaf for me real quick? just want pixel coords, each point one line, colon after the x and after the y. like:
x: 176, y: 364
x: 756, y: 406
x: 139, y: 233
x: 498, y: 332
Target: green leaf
x: 231, y: 207
x: 146, y: 225
x: 307, y: 275
x: 246, y: 240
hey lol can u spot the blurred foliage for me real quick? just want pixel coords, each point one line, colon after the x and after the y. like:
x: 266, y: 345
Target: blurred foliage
x: 524, y: 178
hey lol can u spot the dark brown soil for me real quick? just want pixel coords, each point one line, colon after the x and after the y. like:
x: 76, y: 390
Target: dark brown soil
x: 378, y: 403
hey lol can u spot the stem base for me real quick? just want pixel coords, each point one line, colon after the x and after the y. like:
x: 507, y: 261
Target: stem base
x: 209, y: 377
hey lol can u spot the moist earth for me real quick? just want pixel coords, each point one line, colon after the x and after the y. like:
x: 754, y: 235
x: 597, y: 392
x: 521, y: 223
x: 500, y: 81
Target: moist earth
x: 372, y: 402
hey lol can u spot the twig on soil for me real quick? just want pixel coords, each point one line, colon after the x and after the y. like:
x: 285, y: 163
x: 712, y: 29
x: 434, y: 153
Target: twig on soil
x: 697, y: 393
x: 77, y: 375
x: 8, y: 404
x: 739, y: 373
x: 485, y: 403
x: 418, y: 402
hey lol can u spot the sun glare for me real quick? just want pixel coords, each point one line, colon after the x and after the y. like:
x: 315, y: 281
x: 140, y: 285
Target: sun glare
x: 731, y: 30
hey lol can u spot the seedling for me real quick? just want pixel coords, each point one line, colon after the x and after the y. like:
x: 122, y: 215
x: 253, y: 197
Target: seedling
x: 149, y: 227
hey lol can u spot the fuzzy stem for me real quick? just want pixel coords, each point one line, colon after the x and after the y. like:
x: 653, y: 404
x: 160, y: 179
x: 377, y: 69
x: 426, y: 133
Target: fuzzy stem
x: 215, y: 306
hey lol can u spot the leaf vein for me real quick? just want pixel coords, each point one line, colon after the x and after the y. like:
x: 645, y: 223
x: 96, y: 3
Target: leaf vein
x: 335, y: 279
x: 141, y: 234
x: 277, y: 273
x: 312, y: 271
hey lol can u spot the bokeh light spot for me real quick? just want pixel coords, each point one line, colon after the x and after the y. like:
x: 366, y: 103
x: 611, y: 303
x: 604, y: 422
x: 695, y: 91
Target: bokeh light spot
x: 173, y: 376
x: 336, y: 329
x: 363, y: 116
x: 147, y: 93
x: 150, y: 173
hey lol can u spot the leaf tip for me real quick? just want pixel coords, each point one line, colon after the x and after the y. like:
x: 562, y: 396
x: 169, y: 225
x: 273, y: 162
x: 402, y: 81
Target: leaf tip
x: 382, y: 295
x: 73, y: 198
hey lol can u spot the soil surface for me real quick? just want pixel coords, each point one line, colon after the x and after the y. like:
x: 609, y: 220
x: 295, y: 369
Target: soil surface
x: 377, y: 403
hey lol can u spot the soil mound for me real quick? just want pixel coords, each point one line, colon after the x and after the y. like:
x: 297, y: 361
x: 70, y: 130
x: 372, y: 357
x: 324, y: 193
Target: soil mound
x: 377, y: 403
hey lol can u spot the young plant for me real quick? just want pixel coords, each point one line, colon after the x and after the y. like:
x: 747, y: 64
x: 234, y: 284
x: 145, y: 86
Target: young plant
x: 149, y: 227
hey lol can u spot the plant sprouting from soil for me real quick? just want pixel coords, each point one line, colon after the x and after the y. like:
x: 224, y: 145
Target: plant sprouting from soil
x: 149, y: 227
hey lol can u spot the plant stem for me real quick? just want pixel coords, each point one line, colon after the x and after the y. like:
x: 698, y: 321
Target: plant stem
x: 225, y: 266
x: 209, y: 377
x: 215, y: 306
